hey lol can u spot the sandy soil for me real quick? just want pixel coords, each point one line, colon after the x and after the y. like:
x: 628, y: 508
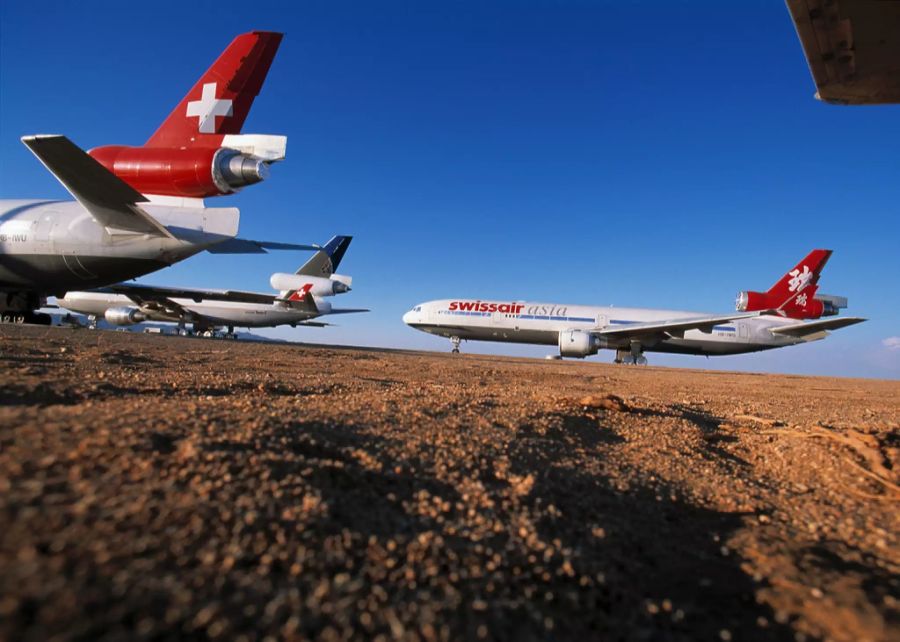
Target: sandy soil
x: 155, y: 487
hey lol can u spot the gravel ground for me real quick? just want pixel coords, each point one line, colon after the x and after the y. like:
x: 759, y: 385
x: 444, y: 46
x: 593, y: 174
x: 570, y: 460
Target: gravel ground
x: 160, y: 487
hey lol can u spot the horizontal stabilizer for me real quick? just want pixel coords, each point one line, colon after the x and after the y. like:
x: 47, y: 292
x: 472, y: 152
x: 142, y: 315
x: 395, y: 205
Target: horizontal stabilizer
x: 246, y: 246
x: 109, y: 199
x: 347, y: 310
x: 813, y: 327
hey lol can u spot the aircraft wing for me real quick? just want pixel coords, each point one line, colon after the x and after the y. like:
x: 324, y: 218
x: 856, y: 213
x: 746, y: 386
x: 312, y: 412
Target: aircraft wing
x: 673, y: 327
x: 246, y: 246
x: 813, y: 327
x: 347, y: 310
x: 852, y: 47
x: 161, y: 305
x: 150, y: 292
x: 109, y: 199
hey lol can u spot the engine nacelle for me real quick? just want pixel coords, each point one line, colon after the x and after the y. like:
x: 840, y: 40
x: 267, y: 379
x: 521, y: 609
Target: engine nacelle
x: 190, y: 173
x: 577, y: 343
x: 751, y: 301
x: 323, y: 306
x: 316, y: 285
x: 801, y: 307
x: 124, y: 316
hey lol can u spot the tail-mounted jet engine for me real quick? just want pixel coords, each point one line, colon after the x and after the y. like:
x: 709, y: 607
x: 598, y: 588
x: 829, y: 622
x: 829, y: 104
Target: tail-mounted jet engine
x: 316, y: 285
x: 822, y: 305
x: 578, y: 343
x: 124, y: 316
x: 194, y: 172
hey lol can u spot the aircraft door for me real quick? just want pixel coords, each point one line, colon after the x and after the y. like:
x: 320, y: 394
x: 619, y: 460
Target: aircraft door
x: 43, y: 231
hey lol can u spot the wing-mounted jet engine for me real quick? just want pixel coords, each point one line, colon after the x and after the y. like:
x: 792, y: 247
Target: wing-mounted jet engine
x: 124, y: 316
x: 199, y: 151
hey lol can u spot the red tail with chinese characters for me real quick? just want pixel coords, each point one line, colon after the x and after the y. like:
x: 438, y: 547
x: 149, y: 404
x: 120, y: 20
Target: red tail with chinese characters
x: 794, y: 295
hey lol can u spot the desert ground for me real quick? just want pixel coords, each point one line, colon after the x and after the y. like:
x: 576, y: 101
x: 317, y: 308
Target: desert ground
x: 156, y: 487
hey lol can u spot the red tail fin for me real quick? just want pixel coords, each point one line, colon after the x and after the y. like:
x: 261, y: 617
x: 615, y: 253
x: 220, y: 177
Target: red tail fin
x: 802, y: 278
x: 220, y: 101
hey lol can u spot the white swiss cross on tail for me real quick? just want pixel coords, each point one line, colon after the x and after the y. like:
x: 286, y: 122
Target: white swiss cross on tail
x: 207, y: 108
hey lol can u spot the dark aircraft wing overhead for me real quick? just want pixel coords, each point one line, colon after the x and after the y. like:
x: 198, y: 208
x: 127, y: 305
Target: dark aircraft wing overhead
x: 852, y: 47
x: 673, y: 327
x: 814, y: 327
x: 150, y: 292
x: 108, y: 198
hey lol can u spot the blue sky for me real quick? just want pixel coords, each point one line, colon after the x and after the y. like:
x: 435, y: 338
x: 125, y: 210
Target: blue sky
x: 656, y: 154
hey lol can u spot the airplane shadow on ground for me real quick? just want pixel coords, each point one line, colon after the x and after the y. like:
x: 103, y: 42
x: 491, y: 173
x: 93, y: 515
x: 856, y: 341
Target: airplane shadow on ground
x: 667, y: 574
x: 595, y: 560
x: 307, y: 528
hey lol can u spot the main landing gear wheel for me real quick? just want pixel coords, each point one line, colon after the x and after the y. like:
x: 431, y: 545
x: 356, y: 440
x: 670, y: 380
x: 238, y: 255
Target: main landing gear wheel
x: 455, y: 341
x: 633, y: 355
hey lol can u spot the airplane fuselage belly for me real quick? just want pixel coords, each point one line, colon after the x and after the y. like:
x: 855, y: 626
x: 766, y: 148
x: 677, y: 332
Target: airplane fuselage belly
x: 51, y: 247
x: 551, y: 338
x: 541, y: 324
x: 55, y: 273
x: 247, y: 315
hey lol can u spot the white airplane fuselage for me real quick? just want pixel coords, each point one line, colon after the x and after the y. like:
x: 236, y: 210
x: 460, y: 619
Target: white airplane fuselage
x: 213, y: 313
x: 50, y: 247
x: 541, y: 324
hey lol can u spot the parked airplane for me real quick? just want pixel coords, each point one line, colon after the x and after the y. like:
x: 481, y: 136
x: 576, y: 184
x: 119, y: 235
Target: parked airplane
x: 299, y: 301
x: 852, y: 48
x: 113, y: 231
x: 780, y: 317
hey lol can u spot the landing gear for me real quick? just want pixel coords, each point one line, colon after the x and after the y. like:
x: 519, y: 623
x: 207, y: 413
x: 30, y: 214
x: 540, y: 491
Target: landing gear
x: 633, y: 355
x: 455, y: 341
x: 92, y: 322
x: 230, y: 334
x: 21, y: 318
x: 22, y: 307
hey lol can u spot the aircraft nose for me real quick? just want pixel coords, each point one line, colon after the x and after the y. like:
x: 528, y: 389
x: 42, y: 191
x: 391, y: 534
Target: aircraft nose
x: 407, y: 318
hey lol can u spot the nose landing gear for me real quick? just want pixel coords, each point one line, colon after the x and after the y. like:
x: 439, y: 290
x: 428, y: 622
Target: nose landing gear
x: 455, y: 341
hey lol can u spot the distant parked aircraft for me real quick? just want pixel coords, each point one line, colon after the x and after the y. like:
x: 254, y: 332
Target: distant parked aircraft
x: 787, y: 314
x: 299, y: 301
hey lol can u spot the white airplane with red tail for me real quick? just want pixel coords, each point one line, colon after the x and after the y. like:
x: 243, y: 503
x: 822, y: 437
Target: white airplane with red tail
x: 139, y: 209
x: 301, y: 298
x: 789, y: 313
